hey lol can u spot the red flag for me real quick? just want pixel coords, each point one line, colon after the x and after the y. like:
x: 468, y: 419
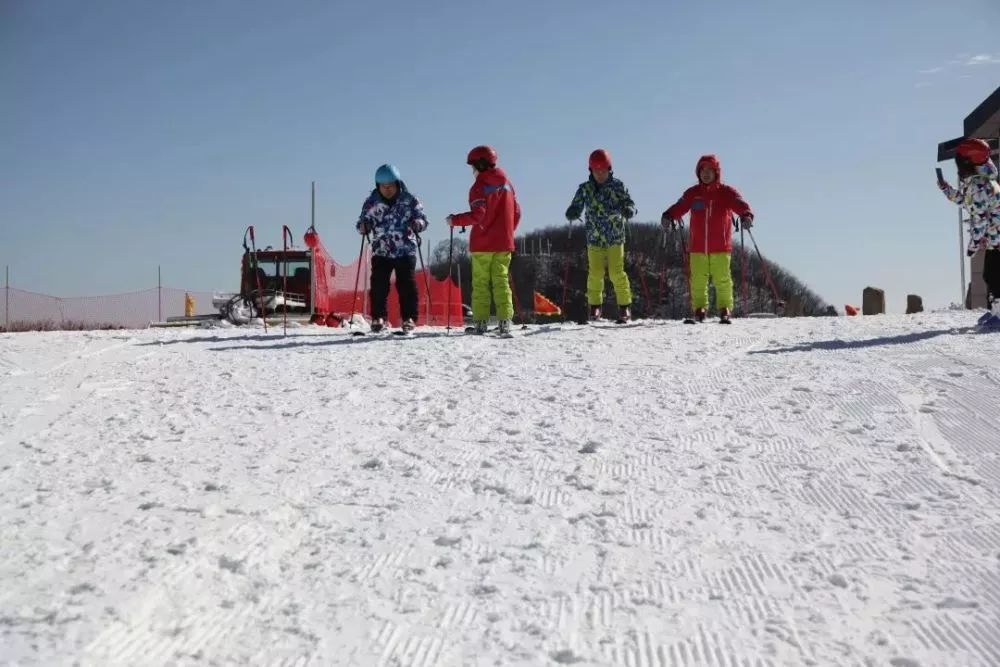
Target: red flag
x: 545, y: 307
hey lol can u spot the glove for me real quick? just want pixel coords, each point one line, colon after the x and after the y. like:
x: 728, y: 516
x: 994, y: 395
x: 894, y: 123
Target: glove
x: 628, y: 212
x: 450, y: 220
x: 943, y: 186
x: 746, y: 221
x: 572, y: 214
x: 417, y: 225
x: 364, y: 229
x: 669, y: 224
x: 970, y: 253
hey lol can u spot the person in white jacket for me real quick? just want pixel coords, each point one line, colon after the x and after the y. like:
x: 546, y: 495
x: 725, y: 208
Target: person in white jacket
x: 979, y: 193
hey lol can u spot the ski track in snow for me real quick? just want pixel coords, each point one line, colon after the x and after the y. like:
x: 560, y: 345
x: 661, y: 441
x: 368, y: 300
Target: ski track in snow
x: 778, y: 492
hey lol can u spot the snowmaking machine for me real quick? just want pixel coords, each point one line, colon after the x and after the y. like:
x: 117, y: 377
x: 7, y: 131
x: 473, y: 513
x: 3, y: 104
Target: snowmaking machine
x: 287, y: 284
x: 292, y: 281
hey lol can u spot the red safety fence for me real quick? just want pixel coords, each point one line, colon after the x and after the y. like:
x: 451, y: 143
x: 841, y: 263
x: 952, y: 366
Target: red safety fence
x: 432, y: 295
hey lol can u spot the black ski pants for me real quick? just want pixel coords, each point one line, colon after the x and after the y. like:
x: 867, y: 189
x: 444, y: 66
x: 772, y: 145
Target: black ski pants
x: 991, y: 274
x: 406, y: 286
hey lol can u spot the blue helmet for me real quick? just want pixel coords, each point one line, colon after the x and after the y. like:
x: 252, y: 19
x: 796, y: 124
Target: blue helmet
x: 387, y: 173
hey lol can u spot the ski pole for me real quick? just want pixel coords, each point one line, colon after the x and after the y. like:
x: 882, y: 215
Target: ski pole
x: 687, y: 265
x: 569, y: 252
x: 565, y: 285
x: 427, y: 278
x: 357, y: 277
x: 451, y: 249
x: 513, y: 292
x: 256, y: 272
x: 286, y: 234
x: 663, y: 269
x: 743, y: 271
x: 641, y: 268
x: 763, y: 265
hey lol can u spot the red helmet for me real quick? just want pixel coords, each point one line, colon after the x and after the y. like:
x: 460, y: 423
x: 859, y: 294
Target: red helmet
x: 600, y: 159
x: 975, y: 151
x: 484, y: 153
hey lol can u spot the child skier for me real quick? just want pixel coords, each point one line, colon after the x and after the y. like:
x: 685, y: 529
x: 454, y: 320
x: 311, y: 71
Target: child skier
x: 609, y: 207
x: 710, y: 245
x: 494, y: 216
x: 979, y: 193
x: 393, y: 217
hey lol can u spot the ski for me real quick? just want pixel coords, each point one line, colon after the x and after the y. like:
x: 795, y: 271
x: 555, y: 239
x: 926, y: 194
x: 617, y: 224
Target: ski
x: 370, y: 332
x: 693, y: 321
x: 614, y: 324
x: 393, y: 332
x: 492, y: 332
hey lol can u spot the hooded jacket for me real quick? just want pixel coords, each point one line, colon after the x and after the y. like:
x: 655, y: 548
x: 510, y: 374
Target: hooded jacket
x: 712, y: 207
x: 608, y: 207
x: 392, y: 221
x: 980, y: 195
x: 494, y: 213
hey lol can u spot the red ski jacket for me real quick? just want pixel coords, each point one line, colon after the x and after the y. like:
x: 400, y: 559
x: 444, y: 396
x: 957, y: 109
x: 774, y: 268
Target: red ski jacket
x: 495, y: 213
x: 711, y: 207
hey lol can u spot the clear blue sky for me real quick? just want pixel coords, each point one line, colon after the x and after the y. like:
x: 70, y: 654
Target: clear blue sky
x: 138, y: 133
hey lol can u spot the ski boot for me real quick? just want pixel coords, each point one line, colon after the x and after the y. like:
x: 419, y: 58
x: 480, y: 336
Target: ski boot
x: 992, y: 311
x: 504, y: 327
x: 990, y: 321
x: 725, y: 316
x: 408, y: 325
x: 478, y: 328
x: 698, y: 318
x: 595, y: 313
x: 624, y: 314
x: 377, y: 324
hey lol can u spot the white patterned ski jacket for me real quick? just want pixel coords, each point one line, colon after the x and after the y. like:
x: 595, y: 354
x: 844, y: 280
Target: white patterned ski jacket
x: 980, y: 195
x: 394, y: 224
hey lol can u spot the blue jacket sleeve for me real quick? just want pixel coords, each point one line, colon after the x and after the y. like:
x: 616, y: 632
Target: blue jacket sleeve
x: 363, y: 218
x: 575, y: 209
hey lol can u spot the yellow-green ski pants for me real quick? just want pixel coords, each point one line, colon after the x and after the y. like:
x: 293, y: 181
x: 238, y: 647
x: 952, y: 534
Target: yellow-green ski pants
x: 611, y: 259
x: 487, y: 268
x: 715, y: 266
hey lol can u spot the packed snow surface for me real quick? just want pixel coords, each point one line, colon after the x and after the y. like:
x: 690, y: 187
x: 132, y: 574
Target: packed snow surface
x: 778, y: 492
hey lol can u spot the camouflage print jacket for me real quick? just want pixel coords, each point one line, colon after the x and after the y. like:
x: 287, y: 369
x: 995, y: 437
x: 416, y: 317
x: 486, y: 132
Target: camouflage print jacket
x: 608, y: 207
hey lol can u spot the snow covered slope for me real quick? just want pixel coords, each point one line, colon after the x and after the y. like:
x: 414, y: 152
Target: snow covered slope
x: 778, y: 492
